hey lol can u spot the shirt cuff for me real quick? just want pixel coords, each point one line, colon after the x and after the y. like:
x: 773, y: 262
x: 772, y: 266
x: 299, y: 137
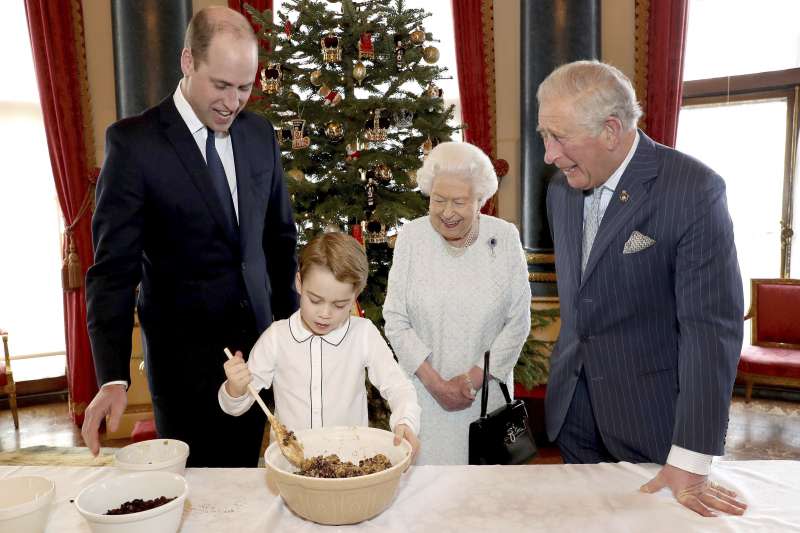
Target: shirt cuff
x: 694, y: 462
x: 119, y: 382
x: 233, y: 406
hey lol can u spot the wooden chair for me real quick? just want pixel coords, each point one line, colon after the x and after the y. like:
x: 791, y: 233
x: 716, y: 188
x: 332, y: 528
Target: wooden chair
x: 773, y: 355
x: 7, y: 384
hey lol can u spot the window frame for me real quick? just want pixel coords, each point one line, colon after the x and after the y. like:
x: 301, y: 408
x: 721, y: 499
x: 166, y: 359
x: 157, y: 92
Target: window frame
x: 778, y: 84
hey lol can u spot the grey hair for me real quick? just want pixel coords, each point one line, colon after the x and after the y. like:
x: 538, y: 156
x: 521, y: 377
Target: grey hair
x: 598, y: 91
x: 464, y: 160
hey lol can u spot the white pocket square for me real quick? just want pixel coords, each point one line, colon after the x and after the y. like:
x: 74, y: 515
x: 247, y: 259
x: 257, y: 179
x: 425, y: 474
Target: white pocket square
x: 637, y: 242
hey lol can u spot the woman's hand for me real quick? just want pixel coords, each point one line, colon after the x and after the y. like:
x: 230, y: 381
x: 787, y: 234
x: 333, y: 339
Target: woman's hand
x: 238, y: 376
x: 454, y: 394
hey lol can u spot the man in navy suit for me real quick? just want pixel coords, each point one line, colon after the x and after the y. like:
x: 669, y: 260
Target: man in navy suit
x: 192, y: 207
x: 650, y: 291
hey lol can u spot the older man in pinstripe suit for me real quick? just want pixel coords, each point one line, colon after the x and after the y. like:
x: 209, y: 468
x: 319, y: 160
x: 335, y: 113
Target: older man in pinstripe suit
x: 651, y: 296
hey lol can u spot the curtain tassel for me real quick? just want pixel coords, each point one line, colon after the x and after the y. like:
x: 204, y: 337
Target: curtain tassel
x: 71, y: 272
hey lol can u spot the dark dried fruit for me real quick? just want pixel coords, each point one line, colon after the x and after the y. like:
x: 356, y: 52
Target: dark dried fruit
x: 139, y: 505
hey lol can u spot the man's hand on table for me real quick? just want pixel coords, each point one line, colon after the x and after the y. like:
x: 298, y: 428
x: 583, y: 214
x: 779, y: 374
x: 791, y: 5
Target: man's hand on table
x: 695, y: 491
x: 110, y: 400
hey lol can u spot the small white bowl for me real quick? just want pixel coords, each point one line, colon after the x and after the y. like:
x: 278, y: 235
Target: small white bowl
x: 167, y: 455
x: 25, y: 503
x: 97, y: 499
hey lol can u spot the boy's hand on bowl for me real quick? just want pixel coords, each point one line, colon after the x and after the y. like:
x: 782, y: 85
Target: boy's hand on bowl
x: 402, y: 431
x: 238, y: 376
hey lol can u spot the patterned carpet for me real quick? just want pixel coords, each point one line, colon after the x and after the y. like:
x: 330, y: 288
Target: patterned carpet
x: 763, y: 429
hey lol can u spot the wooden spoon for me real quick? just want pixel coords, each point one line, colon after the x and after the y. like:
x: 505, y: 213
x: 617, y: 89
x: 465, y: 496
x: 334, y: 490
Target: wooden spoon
x: 291, y: 448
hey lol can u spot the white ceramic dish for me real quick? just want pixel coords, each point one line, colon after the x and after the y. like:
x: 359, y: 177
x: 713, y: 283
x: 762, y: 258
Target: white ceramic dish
x: 347, y: 500
x: 95, y: 500
x: 25, y: 503
x: 168, y: 455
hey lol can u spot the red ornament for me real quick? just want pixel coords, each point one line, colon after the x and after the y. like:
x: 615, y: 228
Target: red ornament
x: 365, y: 48
x: 500, y: 167
x: 287, y: 29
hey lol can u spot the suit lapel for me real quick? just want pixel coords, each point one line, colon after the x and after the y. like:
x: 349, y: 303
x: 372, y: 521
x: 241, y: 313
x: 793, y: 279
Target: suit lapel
x: 642, y: 168
x: 574, y: 215
x: 243, y: 182
x: 185, y: 146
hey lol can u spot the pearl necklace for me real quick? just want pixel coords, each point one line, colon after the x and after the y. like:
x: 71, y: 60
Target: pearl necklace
x: 472, y: 236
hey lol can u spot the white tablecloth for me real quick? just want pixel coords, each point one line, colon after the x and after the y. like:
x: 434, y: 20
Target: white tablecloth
x: 583, y: 498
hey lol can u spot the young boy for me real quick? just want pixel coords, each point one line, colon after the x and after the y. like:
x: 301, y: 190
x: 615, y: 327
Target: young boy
x: 315, y: 360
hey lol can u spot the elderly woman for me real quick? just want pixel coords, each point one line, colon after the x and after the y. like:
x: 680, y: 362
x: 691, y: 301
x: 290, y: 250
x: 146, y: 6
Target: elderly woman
x: 458, y: 287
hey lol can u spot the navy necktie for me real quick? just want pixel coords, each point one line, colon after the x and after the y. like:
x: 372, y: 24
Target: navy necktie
x: 220, y: 181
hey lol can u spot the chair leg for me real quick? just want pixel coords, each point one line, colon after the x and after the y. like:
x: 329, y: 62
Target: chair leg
x: 12, y: 402
x: 748, y: 391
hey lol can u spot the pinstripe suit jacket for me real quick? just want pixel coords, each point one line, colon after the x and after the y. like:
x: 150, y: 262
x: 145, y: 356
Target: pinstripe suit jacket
x: 658, y: 332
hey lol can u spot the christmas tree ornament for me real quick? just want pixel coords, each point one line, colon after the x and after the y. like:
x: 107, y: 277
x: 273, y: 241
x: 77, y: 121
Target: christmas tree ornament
x: 376, y: 128
x: 287, y: 29
x: 430, y: 54
x: 296, y: 174
x: 412, y: 177
x: 359, y: 72
x: 331, y: 48
x: 370, y: 188
x: 418, y: 36
x: 334, y: 131
x: 399, y: 52
x: 353, y: 152
x: 316, y: 78
x: 391, y: 240
x: 293, y: 98
x: 427, y: 146
x: 403, y: 118
x: 382, y: 172
x: 366, y: 50
x: 284, y: 135
x: 330, y: 97
x: 271, y: 79
x: 374, y: 231
x: 299, y: 140
x: 433, y: 91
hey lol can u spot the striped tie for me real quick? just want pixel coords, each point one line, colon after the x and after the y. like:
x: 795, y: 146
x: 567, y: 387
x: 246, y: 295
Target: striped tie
x: 590, y: 225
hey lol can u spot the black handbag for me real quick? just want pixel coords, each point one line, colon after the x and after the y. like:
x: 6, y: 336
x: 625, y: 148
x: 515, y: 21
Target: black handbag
x: 503, y: 437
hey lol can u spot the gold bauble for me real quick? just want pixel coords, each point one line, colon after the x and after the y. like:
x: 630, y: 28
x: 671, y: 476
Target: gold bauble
x: 316, y: 78
x: 391, y: 240
x: 296, y: 174
x: 334, y: 131
x: 359, y: 72
x: 418, y: 36
x: 412, y: 177
x: 430, y: 54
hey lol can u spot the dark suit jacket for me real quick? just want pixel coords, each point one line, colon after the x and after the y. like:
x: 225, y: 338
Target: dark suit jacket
x: 658, y: 332
x: 159, y: 222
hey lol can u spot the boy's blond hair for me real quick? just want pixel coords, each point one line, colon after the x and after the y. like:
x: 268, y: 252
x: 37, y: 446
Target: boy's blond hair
x: 341, y: 254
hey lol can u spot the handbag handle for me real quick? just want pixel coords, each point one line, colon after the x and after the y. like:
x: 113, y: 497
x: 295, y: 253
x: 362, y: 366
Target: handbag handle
x: 485, y: 388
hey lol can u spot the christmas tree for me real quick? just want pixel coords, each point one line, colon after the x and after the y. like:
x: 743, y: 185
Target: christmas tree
x: 351, y: 89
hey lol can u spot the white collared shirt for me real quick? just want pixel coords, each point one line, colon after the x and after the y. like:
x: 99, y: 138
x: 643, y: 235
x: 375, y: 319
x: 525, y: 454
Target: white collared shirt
x: 222, y: 141
x: 611, y: 183
x: 318, y: 381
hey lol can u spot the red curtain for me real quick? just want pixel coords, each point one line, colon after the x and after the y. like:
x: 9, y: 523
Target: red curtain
x: 56, y: 32
x: 662, y: 68
x: 473, y: 25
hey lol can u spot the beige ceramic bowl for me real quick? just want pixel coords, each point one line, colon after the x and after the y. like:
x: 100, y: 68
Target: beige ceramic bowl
x: 25, y: 503
x: 168, y: 455
x: 95, y: 500
x: 347, y: 500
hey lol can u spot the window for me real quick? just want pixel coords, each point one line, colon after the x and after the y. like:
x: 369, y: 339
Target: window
x: 31, y: 307
x: 740, y: 116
